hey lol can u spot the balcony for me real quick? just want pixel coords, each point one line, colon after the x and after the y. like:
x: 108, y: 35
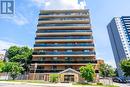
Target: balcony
x: 58, y: 61
x: 51, y: 71
x: 63, y: 12
x: 48, y: 17
x: 45, y: 71
x: 64, y: 33
x: 63, y: 27
x: 87, y: 21
x: 53, y: 31
x: 64, y: 53
x: 55, y: 38
x: 63, y: 45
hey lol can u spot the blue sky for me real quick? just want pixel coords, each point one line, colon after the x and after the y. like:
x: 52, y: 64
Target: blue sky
x: 20, y: 29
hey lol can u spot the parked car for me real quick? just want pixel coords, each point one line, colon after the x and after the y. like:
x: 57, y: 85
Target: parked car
x: 119, y: 80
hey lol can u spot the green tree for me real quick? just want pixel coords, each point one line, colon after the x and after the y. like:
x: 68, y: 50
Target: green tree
x: 53, y: 78
x: 87, y: 72
x: 125, y: 66
x: 12, y: 51
x: 1, y: 66
x: 16, y: 69
x: 21, y: 55
x: 7, y: 67
x: 106, y: 70
x: 13, y: 68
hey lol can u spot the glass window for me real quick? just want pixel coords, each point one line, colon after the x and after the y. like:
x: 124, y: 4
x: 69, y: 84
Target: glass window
x: 40, y: 67
x: 69, y: 50
x: 54, y: 67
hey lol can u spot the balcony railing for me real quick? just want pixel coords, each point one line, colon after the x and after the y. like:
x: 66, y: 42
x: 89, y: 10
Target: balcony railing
x: 63, y: 53
x: 83, y: 17
x: 46, y: 38
x: 51, y: 31
x: 63, y: 45
x: 57, y: 61
x: 45, y: 25
x: 45, y: 71
x: 51, y: 71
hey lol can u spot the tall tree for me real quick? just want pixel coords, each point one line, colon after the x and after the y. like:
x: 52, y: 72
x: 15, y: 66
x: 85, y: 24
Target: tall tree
x: 21, y: 55
x: 1, y: 66
x: 16, y: 69
x: 106, y: 70
x: 125, y: 66
x: 13, y: 68
x: 87, y: 72
x: 12, y: 51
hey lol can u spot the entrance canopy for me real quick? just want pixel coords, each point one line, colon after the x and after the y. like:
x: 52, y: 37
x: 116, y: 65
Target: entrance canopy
x: 69, y: 70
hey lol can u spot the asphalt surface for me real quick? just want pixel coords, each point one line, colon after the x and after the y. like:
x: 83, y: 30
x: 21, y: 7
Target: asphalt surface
x: 18, y: 84
x: 11, y: 84
x: 125, y: 85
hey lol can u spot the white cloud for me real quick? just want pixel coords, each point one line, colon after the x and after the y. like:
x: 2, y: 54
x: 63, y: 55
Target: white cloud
x: 17, y: 18
x: 6, y: 44
x: 39, y: 3
x: 57, y: 4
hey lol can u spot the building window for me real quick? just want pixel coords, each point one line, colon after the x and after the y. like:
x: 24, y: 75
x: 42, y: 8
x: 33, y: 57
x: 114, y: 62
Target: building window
x: 54, y: 67
x: 42, y: 59
x: 68, y: 59
x: 40, y: 67
x: 86, y: 50
x: 55, y: 51
x: 69, y: 50
x: 66, y: 67
x: 55, y: 58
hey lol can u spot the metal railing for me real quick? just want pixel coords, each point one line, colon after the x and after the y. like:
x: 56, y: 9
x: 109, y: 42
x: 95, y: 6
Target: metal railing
x: 63, y: 53
x: 65, y: 45
x: 59, y: 61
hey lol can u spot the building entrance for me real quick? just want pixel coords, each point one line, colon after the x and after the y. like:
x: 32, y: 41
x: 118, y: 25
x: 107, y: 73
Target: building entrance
x: 68, y: 78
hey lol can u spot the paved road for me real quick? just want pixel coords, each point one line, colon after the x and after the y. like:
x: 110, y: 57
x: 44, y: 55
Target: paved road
x: 109, y: 81
x: 125, y: 85
x: 17, y: 85
x: 10, y: 84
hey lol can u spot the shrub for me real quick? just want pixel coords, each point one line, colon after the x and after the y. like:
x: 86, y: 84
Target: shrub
x: 99, y: 83
x: 53, y: 78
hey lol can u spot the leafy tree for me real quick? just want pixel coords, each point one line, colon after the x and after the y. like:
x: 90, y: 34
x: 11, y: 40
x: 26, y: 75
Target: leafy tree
x: 14, y: 69
x: 53, y: 78
x: 7, y: 67
x: 21, y: 55
x: 106, y: 70
x: 125, y: 66
x: 87, y: 72
x: 1, y: 65
x: 12, y: 51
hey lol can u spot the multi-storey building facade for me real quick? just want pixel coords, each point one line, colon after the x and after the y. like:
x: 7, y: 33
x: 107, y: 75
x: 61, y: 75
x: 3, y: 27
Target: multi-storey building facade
x: 63, y: 44
x: 119, y: 33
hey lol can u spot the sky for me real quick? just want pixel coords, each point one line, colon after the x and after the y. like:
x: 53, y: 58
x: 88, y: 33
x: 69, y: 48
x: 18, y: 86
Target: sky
x: 20, y: 29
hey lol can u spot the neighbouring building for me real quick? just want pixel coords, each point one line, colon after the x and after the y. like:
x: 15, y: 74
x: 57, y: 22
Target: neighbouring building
x: 119, y: 33
x: 1, y: 57
x: 63, y: 43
